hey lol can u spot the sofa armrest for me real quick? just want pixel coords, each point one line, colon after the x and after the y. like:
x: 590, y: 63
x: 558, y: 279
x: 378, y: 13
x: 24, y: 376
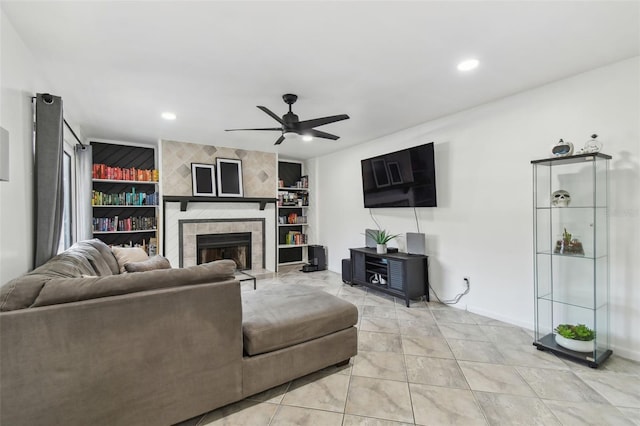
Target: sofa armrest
x: 152, y: 357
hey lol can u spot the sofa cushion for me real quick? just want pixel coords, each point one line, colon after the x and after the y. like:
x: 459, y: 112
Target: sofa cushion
x: 107, y: 254
x: 128, y: 254
x: 278, y: 317
x: 153, y: 263
x: 60, y: 290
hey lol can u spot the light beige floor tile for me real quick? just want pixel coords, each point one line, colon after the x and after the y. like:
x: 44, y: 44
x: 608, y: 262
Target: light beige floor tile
x: 415, y: 314
x: 419, y: 328
x: 586, y: 413
x: 495, y: 378
x: 526, y: 355
x: 435, y: 347
x: 468, y: 350
x: 515, y: 410
x: 379, y: 311
x: 382, y: 399
x: 379, y: 342
x: 632, y: 414
x: 379, y: 299
x: 621, y: 365
x: 381, y: 365
x: 619, y: 389
x: 321, y: 390
x: 350, y: 420
x: 435, y: 371
x: 482, y: 320
x: 452, y: 315
x: 296, y: 416
x: 510, y: 335
x: 380, y: 325
x: 462, y: 331
x: 435, y: 405
x: 562, y: 385
x: 244, y: 412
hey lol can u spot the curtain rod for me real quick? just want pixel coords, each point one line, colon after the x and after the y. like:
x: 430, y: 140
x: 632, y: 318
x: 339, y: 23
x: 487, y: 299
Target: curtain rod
x: 65, y: 122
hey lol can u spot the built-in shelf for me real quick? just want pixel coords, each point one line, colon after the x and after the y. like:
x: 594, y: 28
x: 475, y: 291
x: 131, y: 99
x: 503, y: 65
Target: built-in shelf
x: 124, y: 232
x: 143, y: 206
x: 297, y: 262
x: 293, y: 224
x: 184, y: 201
x: 292, y: 245
x: 130, y: 182
x: 293, y: 189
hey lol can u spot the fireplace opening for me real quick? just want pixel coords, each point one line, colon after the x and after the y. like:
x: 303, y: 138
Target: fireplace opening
x: 234, y: 245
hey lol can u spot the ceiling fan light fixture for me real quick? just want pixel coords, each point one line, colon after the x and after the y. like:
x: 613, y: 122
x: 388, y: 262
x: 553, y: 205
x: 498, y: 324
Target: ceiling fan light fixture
x: 290, y: 135
x: 307, y: 138
x: 468, y: 65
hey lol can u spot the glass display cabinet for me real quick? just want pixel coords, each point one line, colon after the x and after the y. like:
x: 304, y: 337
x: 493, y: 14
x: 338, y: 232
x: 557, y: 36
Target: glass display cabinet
x: 571, y: 256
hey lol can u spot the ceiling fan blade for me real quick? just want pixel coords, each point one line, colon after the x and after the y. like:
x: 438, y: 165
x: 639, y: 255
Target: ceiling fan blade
x: 308, y: 124
x: 265, y: 128
x: 318, y: 134
x: 279, y: 141
x: 273, y: 115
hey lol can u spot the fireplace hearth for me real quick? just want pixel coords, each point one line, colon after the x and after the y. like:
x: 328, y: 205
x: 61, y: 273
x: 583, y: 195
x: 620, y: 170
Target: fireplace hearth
x: 232, y: 245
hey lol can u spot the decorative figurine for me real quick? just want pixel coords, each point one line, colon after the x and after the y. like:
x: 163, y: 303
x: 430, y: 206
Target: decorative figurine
x: 593, y: 145
x: 568, y: 245
x: 562, y: 149
x: 560, y: 198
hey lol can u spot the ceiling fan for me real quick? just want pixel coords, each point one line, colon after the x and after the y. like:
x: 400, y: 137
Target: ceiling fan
x: 292, y: 127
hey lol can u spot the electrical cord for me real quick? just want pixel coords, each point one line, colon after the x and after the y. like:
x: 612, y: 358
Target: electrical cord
x: 456, y: 299
x: 415, y: 213
x: 374, y: 219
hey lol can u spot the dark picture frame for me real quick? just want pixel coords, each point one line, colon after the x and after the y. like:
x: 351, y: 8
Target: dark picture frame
x: 229, y: 174
x: 394, y: 172
x: 203, y: 179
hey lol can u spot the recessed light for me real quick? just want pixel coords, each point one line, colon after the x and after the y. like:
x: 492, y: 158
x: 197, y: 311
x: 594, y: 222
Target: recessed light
x: 168, y: 116
x: 307, y: 138
x: 468, y: 65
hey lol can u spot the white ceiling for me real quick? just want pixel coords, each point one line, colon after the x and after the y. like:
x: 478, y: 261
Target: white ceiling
x: 390, y: 65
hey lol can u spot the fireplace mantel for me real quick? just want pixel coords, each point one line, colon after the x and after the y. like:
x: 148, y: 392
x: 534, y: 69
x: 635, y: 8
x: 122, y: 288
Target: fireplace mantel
x: 184, y: 201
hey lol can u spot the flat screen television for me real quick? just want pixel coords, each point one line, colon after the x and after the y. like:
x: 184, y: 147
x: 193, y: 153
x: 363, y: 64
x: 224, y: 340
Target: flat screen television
x: 405, y: 178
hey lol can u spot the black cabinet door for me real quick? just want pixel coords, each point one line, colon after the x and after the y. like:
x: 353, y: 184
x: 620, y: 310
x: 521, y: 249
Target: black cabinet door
x: 396, y: 277
x: 358, y: 269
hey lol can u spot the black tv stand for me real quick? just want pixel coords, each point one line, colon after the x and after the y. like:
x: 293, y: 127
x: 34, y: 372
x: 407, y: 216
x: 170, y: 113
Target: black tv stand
x: 402, y: 275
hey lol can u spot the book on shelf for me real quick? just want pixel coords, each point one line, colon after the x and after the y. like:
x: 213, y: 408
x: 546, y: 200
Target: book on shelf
x: 295, y: 238
x: 102, y: 171
x: 112, y: 224
x: 131, y: 198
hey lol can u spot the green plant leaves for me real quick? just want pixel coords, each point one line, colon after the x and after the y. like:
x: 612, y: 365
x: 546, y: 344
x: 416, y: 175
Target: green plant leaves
x: 381, y: 236
x: 575, y: 332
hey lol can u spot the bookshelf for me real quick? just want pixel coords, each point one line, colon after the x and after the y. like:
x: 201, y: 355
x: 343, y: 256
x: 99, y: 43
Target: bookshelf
x: 125, y: 195
x: 292, y: 209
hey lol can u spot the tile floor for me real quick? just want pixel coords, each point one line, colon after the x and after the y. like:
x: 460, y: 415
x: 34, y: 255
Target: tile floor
x: 436, y: 365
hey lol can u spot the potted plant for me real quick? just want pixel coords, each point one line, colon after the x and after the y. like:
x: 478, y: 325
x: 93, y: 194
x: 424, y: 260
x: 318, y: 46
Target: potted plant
x: 381, y: 238
x: 579, y: 338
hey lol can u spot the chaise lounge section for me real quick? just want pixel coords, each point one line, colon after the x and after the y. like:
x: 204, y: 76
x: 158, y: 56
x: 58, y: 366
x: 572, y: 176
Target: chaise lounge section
x: 81, y: 343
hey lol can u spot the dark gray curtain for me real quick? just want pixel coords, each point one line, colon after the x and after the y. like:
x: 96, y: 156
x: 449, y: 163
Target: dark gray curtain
x: 48, y: 176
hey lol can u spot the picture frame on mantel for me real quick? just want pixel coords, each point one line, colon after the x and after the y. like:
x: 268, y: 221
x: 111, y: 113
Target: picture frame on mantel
x: 229, y: 177
x: 203, y: 178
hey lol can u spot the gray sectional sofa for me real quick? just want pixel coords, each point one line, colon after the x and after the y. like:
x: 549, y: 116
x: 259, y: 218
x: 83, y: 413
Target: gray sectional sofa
x: 81, y: 343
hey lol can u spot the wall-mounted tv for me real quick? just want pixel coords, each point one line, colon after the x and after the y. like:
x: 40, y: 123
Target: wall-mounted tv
x: 405, y: 178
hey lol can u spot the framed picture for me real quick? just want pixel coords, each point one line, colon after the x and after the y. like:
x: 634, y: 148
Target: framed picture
x: 203, y: 179
x: 229, y: 174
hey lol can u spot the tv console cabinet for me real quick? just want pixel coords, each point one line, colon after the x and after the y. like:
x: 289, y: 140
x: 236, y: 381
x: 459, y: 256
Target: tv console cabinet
x: 398, y: 274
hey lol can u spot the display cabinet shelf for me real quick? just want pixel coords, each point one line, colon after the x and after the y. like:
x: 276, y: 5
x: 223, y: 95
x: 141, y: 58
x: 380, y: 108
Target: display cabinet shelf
x: 571, y: 251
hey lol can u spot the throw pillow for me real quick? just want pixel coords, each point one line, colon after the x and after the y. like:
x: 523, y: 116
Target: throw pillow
x: 125, y: 255
x: 155, y: 262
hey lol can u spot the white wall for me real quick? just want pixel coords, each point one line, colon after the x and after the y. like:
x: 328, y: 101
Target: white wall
x: 482, y: 227
x: 19, y: 79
